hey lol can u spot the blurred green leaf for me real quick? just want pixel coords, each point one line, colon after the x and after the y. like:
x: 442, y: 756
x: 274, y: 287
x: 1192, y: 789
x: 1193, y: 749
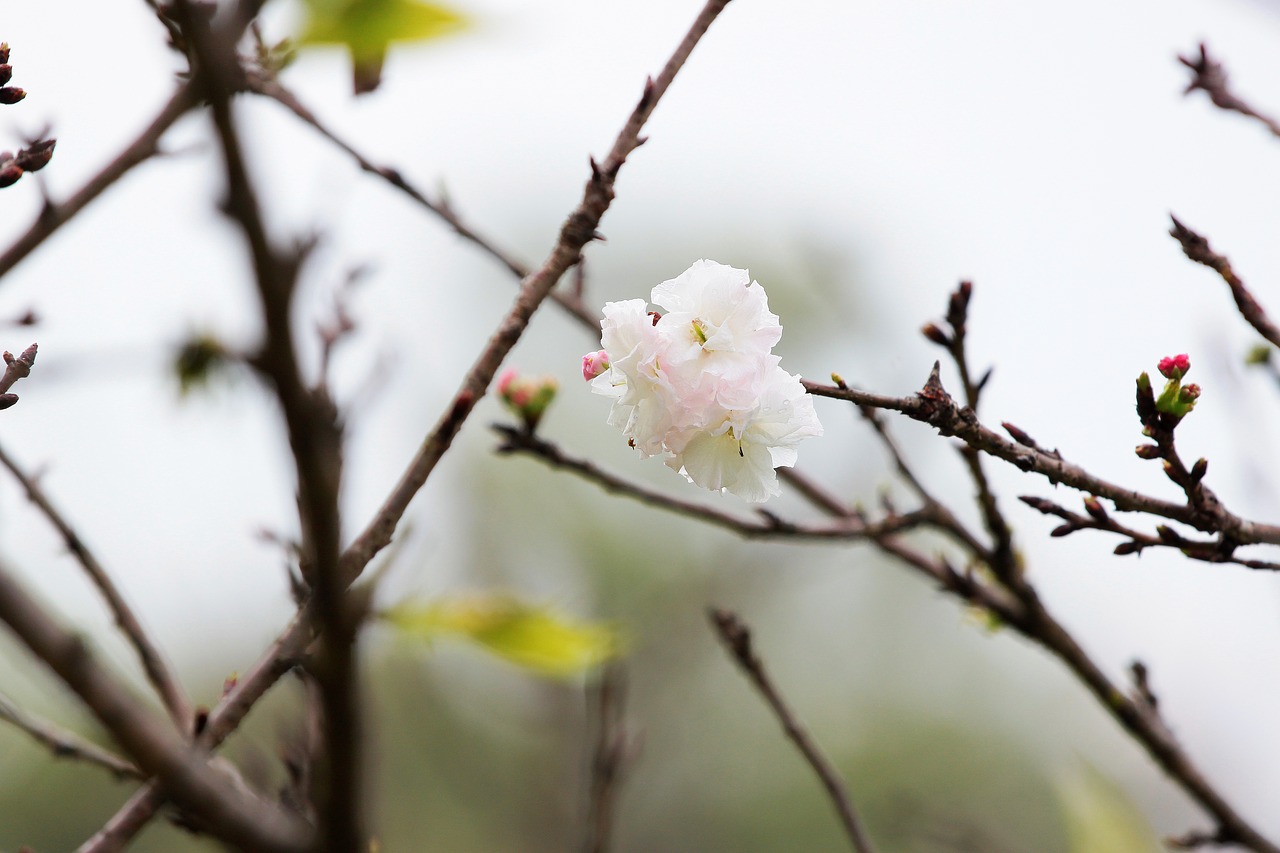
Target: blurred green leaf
x: 1100, y: 819
x: 531, y: 637
x: 368, y: 27
x: 201, y: 357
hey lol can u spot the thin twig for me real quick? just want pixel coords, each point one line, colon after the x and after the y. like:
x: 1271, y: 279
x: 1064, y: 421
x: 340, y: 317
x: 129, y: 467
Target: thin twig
x: 848, y: 527
x: 613, y: 748
x: 158, y: 749
x: 66, y: 744
x: 54, y: 215
x: 157, y: 670
x: 315, y: 437
x: 936, y: 408
x: 1209, y: 75
x: 577, y: 232
x: 1197, y: 249
x: 737, y: 639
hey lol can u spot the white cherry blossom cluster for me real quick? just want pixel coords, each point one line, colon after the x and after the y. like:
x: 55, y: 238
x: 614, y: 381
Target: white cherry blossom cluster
x: 699, y: 385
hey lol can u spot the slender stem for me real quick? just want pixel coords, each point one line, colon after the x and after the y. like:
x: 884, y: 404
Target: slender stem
x: 142, y: 148
x: 162, y: 678
x: 66, y: 744
x: 737, y: 639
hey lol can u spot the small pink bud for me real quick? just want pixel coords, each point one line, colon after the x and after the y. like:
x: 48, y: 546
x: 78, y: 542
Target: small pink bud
x: 504, y: 381
x: 1180, y: 363
x: 594, y: 363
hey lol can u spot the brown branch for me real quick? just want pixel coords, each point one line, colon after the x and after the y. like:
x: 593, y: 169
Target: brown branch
x: 935, y: 407
x: 577, y: 232
x: 736, y: 637
x: 613, y: 749
x: 65, y: 744
x: 1209, y: 75
x: 1097, y: 518
x: 162, y: 678
x: 157, y: 749
x: 315, y: 437
x: 848, y: 527
x: 54, y: 215
x: 1197, y: 249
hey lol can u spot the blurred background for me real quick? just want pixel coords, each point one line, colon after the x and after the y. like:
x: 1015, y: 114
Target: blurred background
x: 859, y: 159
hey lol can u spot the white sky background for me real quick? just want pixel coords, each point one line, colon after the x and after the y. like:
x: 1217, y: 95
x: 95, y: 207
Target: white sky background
x: 1035, y: 148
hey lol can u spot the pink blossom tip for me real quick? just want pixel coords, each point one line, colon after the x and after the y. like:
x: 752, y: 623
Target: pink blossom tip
x: 594, y: 363
x: 1179, y: 363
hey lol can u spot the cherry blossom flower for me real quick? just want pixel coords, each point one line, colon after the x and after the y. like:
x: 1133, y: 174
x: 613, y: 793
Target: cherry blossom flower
x: 699, y: 385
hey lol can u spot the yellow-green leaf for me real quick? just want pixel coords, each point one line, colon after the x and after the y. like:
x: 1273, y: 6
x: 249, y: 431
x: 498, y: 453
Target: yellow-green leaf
x: 1100, y: 819
x: 531, y: 637
x: 367, y: 28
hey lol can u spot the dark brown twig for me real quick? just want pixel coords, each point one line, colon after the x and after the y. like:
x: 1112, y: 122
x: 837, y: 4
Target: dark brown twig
x: 848, y: 527
x: 1209, y: 76
x: 935, y: 407
x: 1197, y: 249
x: 157, y: 670
x: 736, y: 637
x: 315, y: 437
x: 141, y: 149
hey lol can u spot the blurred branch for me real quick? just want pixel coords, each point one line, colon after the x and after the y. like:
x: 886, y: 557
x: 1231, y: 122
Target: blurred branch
x: 157, y: 670
x: 1209, y: 75
x: 54, y: 215
x: 315, y: 438
x: 156, y: 748
x: 65, y: 744
x: 736, y: 637
x: 577, y: 231
x: 1197, y: 249
x: 613, y: 749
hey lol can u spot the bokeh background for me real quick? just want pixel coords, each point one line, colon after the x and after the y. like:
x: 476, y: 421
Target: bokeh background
x: 859, y: 158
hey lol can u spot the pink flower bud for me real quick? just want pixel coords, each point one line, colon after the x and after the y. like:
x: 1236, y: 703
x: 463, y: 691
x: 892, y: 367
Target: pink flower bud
x: 504, y: 381
x: 1180, y: 363
x: 594, y: 363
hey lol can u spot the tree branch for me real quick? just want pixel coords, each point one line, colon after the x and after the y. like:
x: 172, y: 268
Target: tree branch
x: 737, y: 640
x: 162, y: 678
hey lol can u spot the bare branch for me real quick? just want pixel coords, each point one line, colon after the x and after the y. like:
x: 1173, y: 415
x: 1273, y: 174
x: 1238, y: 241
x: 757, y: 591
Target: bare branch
x: 141, y: 149
x: 736, y: 637
x: 932, y: 405
x: 315, y: 437
x: 162, y: 678
x: 157, y: 748
x: 612, y: 751
x: 65, y: 744
x: 1209, y: 75
x: 849, y: 527
x: 1197, y: 249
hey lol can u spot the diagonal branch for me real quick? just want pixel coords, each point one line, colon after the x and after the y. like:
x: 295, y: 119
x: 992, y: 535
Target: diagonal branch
x: 158, y: 749
x: 157, y: 670
x: 736, y: 637
x: 66, y: 744
x: 1209, y: 75
x: 1197, y: 249
x: 141, y: 149
x: 577, y: 232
